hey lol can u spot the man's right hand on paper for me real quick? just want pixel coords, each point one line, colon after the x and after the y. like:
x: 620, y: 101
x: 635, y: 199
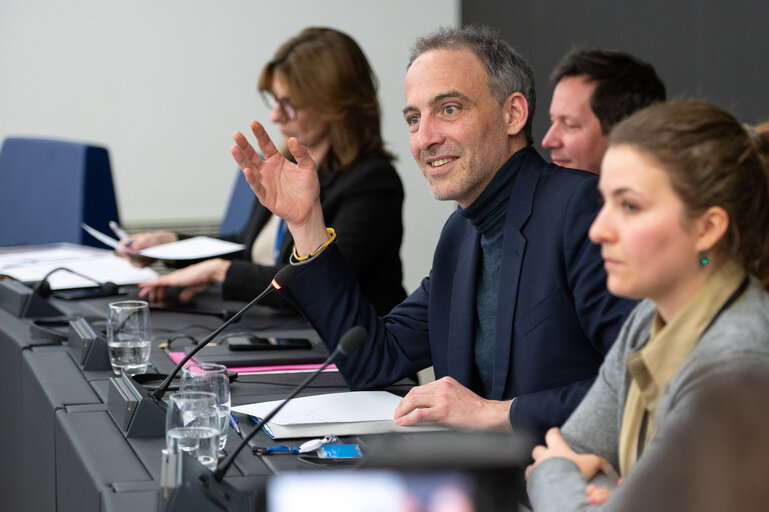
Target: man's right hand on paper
x: 448, y: 402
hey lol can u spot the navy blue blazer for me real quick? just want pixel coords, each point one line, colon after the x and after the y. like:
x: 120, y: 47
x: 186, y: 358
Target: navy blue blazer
x: 555, y: 318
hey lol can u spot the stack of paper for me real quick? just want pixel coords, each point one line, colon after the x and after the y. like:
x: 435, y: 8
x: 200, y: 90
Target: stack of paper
x: 342, y: 414
x: 98, y: 265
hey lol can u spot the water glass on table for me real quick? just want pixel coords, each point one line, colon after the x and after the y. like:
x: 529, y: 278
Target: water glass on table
x: 129, y: 336
x: 213, y: 378
x: 192, y: 426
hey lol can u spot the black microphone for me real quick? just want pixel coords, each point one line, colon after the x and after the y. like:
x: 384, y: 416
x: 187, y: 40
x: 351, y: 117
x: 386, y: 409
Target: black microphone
x: 139, y: 413
x: 42, y: 290
x: 348, y: 343
x: 36, y: 304
x: 202, y: 490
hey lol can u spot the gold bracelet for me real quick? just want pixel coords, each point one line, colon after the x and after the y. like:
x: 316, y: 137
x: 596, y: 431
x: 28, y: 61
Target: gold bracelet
x: 331, y: 232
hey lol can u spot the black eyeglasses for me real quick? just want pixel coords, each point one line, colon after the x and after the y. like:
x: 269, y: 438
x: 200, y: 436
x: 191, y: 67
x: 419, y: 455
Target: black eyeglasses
x: 286, y: 108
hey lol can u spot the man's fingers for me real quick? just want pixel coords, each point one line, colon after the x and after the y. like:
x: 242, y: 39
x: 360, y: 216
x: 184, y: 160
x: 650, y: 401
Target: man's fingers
x: 403, y: 407
x: 238, y: 156
x: 300, y: 153
x: 252, y: 178
x: 263, y: 140
x: 251, y: 174
x: 242, y: 151
x: 412, y: 417
x: 416, y: 397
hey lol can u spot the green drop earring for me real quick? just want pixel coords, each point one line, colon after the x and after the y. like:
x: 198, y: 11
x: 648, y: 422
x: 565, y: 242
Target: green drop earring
x: 703, y: 258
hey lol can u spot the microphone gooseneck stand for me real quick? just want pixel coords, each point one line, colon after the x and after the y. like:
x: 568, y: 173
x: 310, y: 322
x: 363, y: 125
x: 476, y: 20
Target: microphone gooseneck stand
x: 203, y: 490
x: 348, y: 343
x: 139, y: 413
x: 283, y: 277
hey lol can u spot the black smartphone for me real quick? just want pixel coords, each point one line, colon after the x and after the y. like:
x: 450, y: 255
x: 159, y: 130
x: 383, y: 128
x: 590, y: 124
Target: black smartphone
x: 256, y: 343
x: 85, y: 293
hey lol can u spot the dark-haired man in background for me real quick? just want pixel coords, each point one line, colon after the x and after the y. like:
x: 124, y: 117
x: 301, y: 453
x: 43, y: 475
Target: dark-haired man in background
x: 595, y: 89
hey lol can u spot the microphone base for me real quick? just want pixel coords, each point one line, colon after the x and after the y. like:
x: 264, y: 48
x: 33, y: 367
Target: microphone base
x: 134, y: 410
x: 87, y: 348
x: 200, y: 491
x: 23, y: 302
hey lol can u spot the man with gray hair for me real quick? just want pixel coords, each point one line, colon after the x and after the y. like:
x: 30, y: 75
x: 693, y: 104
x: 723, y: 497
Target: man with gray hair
x: 514, y: 317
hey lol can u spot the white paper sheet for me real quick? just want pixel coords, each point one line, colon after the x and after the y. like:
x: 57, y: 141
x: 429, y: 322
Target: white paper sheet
x: 199, y: 247
x: 98, y: 264
x: 352, y: 406
x: 192, y: 249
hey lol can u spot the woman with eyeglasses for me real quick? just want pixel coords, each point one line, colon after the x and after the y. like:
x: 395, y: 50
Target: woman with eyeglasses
x: 683, y: 226
x: 320, y: 89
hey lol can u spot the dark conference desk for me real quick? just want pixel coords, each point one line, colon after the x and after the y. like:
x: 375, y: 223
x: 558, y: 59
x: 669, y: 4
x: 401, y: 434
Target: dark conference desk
x: 60, y: 448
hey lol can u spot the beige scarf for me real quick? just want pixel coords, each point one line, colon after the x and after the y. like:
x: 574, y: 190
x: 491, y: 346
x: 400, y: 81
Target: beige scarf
x: 653, y: 366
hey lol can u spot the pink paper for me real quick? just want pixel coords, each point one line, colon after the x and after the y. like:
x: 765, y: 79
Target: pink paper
x: 178, y: 356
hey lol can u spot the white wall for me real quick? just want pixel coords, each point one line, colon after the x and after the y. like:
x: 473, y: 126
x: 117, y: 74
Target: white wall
x: 164, y: 83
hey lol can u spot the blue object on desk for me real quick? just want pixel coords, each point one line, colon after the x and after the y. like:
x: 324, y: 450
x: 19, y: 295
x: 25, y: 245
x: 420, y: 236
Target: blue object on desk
x: 279, y: 449
x: 235, y: 424
x: 308, y: 446
x: 339, y: 451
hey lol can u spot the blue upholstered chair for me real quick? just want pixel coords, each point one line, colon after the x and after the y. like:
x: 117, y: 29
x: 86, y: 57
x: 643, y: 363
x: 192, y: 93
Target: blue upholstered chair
x: 241, y: 201
x: 48, y: 187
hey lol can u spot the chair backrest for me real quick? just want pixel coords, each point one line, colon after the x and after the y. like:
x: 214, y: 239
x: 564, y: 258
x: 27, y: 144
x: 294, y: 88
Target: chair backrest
x: 239, y: 208
x: 48, y: 187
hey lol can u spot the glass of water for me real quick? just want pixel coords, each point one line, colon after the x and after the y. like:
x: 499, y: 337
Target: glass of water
x: 212, y: 378
x: 128, y: 336
x: 192, y: 426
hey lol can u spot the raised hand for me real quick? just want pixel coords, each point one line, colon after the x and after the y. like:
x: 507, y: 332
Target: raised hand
x: 290, y: 190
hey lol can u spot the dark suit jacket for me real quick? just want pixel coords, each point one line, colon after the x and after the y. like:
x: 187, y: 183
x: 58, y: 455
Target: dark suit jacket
x: 555, y: 318
x: 363, y: 204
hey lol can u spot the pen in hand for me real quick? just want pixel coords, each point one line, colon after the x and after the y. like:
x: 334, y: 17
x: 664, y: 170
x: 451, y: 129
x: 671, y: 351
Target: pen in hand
x: 122, y: 235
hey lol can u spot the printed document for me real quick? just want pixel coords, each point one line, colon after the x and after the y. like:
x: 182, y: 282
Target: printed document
x: 350, y: 413
x: 32, y: 263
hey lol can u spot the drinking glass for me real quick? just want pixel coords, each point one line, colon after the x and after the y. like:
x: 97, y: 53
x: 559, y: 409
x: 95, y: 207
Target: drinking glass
x: 128, y: 336
x: 192, y: 426
x: 212, y: 378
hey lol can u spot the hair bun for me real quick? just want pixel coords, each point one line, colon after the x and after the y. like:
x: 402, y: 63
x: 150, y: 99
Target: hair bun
x: 759, y: 142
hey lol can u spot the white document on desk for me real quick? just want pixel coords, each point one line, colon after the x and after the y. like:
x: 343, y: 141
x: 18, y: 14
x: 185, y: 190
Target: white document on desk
x: 192, y: 249
x: 349, y: 413
x: 195, y: 248
x: 100, y: 265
